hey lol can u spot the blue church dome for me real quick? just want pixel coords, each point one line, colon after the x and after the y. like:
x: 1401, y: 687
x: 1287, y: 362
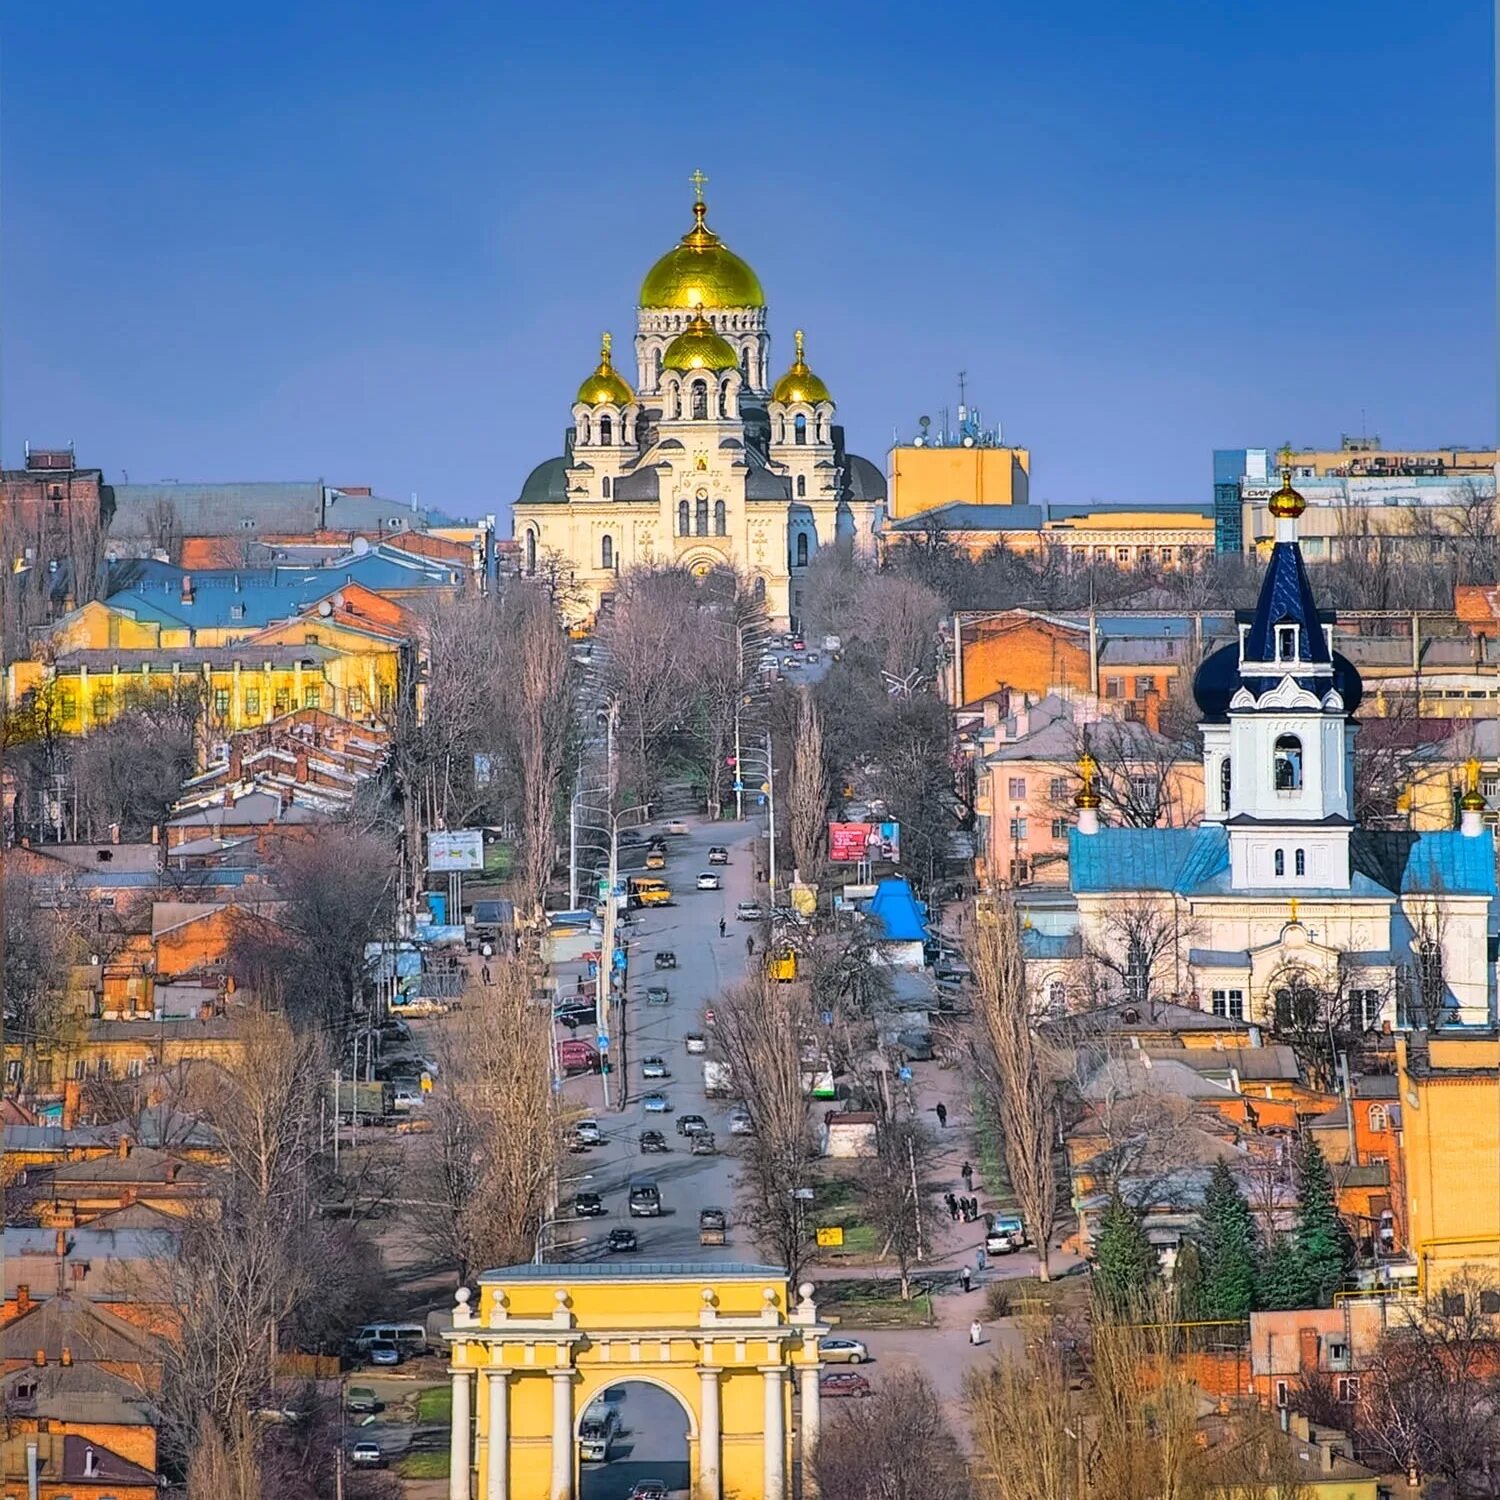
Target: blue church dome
x: 1219, y: 679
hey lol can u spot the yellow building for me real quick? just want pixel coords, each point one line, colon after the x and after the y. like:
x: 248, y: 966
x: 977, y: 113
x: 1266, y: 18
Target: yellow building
x: 1358, y: 457
x: 925, y: 478
x: 1450, y: 1112
x: 722, y: 1343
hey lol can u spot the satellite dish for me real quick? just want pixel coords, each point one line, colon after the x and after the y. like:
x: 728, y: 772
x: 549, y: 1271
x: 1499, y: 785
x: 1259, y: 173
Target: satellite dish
x: 361, y: 546
x: 325, y: 609
x: 924, y: 423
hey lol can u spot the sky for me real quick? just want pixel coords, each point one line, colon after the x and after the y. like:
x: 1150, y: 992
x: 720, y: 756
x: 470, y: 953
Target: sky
x: 375, y: 243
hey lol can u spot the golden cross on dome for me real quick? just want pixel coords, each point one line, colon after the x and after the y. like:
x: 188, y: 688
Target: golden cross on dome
x: 797, y: 338
x: 698, y: 179
x: 1471, y: 775
x: 606, y: 343
x: 1087, y: 768
x: 1294, y: 908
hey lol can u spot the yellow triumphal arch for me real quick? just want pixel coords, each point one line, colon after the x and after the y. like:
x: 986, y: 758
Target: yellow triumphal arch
x: 546, y: 1341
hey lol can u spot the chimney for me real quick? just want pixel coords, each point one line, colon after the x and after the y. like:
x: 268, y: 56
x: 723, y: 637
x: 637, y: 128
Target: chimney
x: 60, y: 1242
x: 301, y: 771
x: 114, y: 833
x: 122, y: 1147
x: 236, y: 759
x: 1328, y: 1456
x: 39, y: 1359
x: 67, y: 1357
x: 23, y: 1299
x: 90, y: 1468
x: 187, y: 588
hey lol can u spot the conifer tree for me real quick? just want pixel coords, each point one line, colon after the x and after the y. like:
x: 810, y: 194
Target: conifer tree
x: 1281, y: 1283
x: 1228, y: 1249
x: 1125, y: 1262
x: 1324, y: 1249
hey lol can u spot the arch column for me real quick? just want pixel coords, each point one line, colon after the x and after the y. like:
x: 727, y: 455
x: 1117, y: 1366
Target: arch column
x: 497, y: 1456
x: 562, y: 1435
x: 775, y: 1432
x: 812, y: 1421
x: 710, y: 1436
x: 460, y: 1455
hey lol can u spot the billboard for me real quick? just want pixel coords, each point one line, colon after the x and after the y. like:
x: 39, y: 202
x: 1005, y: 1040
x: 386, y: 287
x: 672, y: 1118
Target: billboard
x: 455, y: 849
x: 849, y: 843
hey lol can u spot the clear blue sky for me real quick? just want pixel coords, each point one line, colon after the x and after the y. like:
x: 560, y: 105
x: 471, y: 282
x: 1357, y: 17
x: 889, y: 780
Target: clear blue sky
x: 376, y: 242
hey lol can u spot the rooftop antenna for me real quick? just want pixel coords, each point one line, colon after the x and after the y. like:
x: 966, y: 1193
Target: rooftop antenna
x: 963, y: 387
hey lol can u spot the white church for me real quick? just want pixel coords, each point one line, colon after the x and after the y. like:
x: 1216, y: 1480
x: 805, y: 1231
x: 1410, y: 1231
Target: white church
x: 1277, y: 893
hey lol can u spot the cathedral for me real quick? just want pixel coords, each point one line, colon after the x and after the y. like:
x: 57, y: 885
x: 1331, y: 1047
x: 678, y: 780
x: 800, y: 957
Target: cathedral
x: 706, y: 459
x: 1278, y: 905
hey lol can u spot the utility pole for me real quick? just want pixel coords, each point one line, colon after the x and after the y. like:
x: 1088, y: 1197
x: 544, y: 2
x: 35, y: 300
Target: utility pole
x: 573, y: 843
x: 739, y: 699
x: 607, y: 938
x: 771, y: 804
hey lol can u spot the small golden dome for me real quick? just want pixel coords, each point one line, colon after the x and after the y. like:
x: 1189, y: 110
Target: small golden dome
x: 799, y: 383
x: 700, y: 271
x: 1473, y: 801
x: 698, y: 347
x: 606, y: 384
x: 1286, y: 504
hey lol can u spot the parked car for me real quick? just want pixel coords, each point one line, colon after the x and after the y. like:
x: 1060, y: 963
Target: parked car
x: 588, y: 1205
x: 650, y: 1489
x: 812, y: 658
x: 361, y: 1398
x: 580, y: 1010
x: 695, y: 1042
x: 702, y: 1143
x: 718, y: 855
x: 621, y: 1240
x: 708, y: 881
x: 1007, y: 1233
x: 367, y: 1455
x: 915, y: 1044
x: 385, y: 1354
x: 749, y: 911
x: 713, y: 1227
x: 589, y: 1132
x: 654, y: 1067
x: 666, y: 959
x: 653, y: 1142
x: 656, y: 994
x: 691, y: 1124
x: 844, y: 1383
x: 843, y: 1351
x: 798, y: 643
x: 678, y: 828
x: 740, y: 1122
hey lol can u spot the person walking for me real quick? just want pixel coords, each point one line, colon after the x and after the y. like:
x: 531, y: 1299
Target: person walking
x: 976, y: 1332
x: 749, y: 945
x: 981, y: 1259
x: 942, y: 1113
x: 486, y: 972
x: 952, y: 1203
x: 722, y: 928
x: 966, y: 1276
x: 967, y: 1173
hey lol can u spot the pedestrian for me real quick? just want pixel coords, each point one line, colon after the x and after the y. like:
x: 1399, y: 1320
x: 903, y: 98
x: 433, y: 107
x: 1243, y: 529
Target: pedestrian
x: 981, y: 1258
x: 749, y: 946
x: 967, y: 1173
x: 966, y: 1276
x: 942, y: 1113
x: 486, y: 972
x: 722, y: 928
x: 952, y: 1207
x: 976, y: 1332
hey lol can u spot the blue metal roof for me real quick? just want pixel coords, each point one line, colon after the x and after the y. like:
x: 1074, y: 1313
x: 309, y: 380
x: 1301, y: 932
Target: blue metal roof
x: 1146, y: 859
x: 636, y: 1270
x: 1430, y: 862
x: 898, y: 911
x: 1286, y: 598
x: 1036, y: 944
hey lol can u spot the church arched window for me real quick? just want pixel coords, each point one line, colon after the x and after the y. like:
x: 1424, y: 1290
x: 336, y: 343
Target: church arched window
x: 682, y: 518
x: 656, y: 360
x: 719, y: 518
x: 799, y: 429
x: 781, y: 429
x: 801, y: 549
x: 723, y: 398
x: 1299, y: 862
x: 745, y: 363
x: 607, y: 552
x: 1286, y: 762
x: 700, y: 515
x: 760, y: 588
x: 1278, y: 862
x: 802, y: 486
x: 583, y: 430
x: 700, y: 401
x: 1226, y: 783
x: 531, y: 552
x: 604, y: 483
x: 606, y: 430
x: 1057, y: 996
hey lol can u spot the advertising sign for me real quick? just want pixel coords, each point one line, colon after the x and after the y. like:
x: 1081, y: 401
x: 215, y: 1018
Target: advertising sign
x: 455, y: 849
x: 849, y: 843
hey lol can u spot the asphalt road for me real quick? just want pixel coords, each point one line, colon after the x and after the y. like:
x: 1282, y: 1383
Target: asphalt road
x: 652, y: 1444
x: 705, y: 964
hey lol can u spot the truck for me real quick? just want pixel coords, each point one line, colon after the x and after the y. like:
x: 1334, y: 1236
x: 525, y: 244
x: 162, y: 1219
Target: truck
x: 362, y: 1103
x: 717, y: 1081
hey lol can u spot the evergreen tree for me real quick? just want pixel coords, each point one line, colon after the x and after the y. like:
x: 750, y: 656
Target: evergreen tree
x: 1281, y: 1283
x: 1124, y: 1260
x: 1324, y: 1248
x: 1228, y: 1248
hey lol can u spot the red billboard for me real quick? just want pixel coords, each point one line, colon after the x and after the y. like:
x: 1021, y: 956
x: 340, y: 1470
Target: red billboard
x: 851, y: 843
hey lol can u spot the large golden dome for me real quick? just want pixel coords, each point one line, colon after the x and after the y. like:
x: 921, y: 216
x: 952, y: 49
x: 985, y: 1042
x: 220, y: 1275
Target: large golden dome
x: 698, y: 347
x: 799, y: 383
x: 699, y: 271
x: 606, y: 383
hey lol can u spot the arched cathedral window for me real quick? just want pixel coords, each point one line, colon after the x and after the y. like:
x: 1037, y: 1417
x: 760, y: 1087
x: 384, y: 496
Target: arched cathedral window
x: 700, y: 515
x: 724, y: 398
x: 720, y: 527
x: 607, y: 552
x: 531, y: 552
x: 802, y: 486
x: 1226, y: 783
x: 604, y: 483
x: 799, y: 429
x: 583, y: 430
x: 801, y: 549
x: 1286, y: 763
x: 606, y: 430
x: 682, y: 518
x: 700, y: 401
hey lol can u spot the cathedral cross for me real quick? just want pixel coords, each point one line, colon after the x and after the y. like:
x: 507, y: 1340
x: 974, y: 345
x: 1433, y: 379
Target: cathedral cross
x: 698, y: 179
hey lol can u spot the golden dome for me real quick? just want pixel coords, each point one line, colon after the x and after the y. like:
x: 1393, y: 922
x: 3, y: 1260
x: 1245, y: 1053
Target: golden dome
x: 1286, y: 504
x: 799, y: 383
x: 606, y: 384
x: 699, y: 271
x: 698, y: 347
x: 1473, y: 802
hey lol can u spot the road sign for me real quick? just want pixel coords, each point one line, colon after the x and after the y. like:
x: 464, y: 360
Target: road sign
x: 831, y: 1236
x: 739, y: 786
x: 619, y: 959
x: 765, y: 786
x: 604, y: 888
x: 828, y: 1018
x: 604, y: 1041
x: 904, y: 1074
x: 557, y: 1085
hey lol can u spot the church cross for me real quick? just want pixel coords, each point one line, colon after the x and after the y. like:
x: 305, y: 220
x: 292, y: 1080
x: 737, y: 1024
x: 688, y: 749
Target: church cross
x: 698, y: 179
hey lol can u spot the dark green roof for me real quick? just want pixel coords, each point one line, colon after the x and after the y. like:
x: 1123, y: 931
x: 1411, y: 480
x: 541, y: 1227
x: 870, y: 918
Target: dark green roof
x: 546, y: 484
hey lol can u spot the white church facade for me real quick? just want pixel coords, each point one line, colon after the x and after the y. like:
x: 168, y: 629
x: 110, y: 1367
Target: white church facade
x: 705, y: 460
x: 1278, y: 894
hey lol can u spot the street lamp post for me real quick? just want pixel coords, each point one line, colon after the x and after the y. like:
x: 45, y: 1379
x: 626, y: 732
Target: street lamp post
x: 771, y: 807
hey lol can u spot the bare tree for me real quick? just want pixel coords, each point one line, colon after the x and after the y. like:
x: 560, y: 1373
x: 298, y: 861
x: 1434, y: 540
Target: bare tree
x: 1028, y: 1444
x: 1137, y: 948
x: 897, y: 1445
x: 1012, y: 1068
x: 808, y: 791
x: 899, y: 618
x: 896, y: 1196
x: 1422, y: 979
x: 1320, y: 1015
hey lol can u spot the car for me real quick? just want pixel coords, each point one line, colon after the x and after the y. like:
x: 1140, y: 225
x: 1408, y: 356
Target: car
x: 740, y: 1122
x: 843, y: 1351
x: 999, y: 1242
x: 749, y: 911
x: 656, y: 994
x: 629, y: 836
x: 691, y: 1124
x: 385, y: 1354
x: 695, y: 1042
x: 702, y: 1143
x: 654, y: 1067
x: 844, y: 1383
x: 951, y: 970
x: 650, y: 1489
x: 367, y: 1455
x: 361, y: 1398
x: 656, y: 859
x: 653, y: 1143
x: 708, y: 881
x: 718, y: 855
x: 791, y: 664
x: 678, y: 828
x: 915, y: 1044
x: 588, y: 1205
x: 576, y: 1010
x: 665, y: 959
x: 812, y: 658
x: 798, y: 643
x: 656, y: 1104
x: 621, y: 1240
x: 589, y: 1132
x: 788, y: 661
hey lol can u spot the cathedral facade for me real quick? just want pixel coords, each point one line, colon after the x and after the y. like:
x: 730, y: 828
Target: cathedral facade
x: 706, y: 458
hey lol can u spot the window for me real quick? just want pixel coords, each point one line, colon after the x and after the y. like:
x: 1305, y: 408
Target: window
x: 1282, y: 1392
x: 103, y: 702
x: 1286, y: 643
x: 133, y: 1068
x: 312, y: 696
x: 67, y: 704
x: 682, y: 518
x: 1059, y: 828
x: 604, y: 486
x: 1338, y: 1354
x: 1346, y: 1389
x: 1365, y: 1008
x: 1057, y: 994
x: 356, y: 700
x: 1145, y: 790
x: 385, y: 699
x: 1299, y: 862
x: 700, y: 515
x: 252, y: 701
x: 1453, y: 1304
x: 1230, y: 1004
x: 1489, y: 1302
x: 1286, y: 763
x: 80, y: 1070
x: 799, y: 429
x: 760, y: 588
x: 1016, y: 788
x: 1377, y: 1118
x: 1018, y: 828
x: 606, y: 430
x: 700, y: 401
x: 724, y: 399
x: 1226, y: 783
x: 1122, y: 556
x: 607, y: 552
x: 1020, y: 872
x: 656, y: 362
x: 221, y: 702
x: 802, y: 486
x: 801, y: 549
x: 745, y: 363
x: 1166, y: 554
x: 1114, y: 687
x: 1143, y: 685
x: 583, y: 430
x: 1057, y: 788
x: 720, y: 526
x: 13, y: 1070
x: 1280, y: 862
x: 531, y: 552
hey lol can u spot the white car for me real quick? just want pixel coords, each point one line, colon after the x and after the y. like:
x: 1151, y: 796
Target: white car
x: 678, y: 827
x: 740, y: 1122
x: 654, y: 1067
x: 843, y: 1351
x: 708, y: 881
x: 588, y: 1132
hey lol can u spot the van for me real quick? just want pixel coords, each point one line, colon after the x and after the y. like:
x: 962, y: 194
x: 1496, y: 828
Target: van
x: 642, y: 890
x: 645, y: 1198
x: 577, y: 1057
x: 410, y: 1338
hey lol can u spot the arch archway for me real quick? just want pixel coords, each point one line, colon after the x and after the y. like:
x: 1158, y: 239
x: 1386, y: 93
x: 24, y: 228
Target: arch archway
x: 651, y: 1434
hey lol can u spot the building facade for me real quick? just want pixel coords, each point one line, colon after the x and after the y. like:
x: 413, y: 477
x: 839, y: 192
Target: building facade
x: 707, y: 459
